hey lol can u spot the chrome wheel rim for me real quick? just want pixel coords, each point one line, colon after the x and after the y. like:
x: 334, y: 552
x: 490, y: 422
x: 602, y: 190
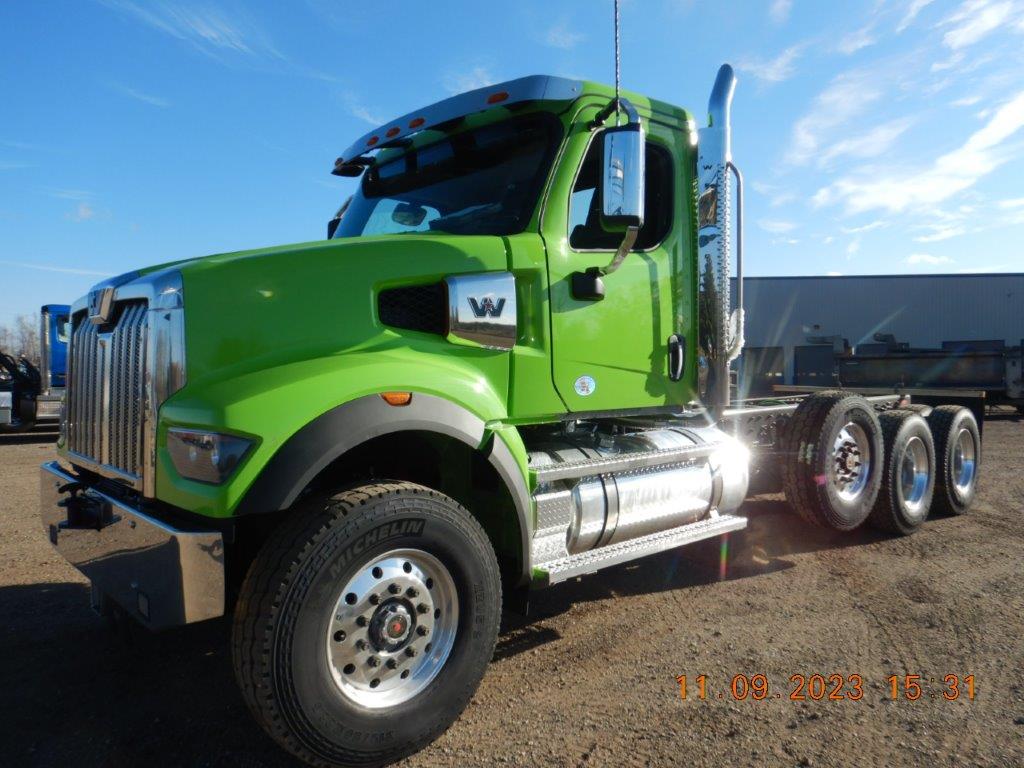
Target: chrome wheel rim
x: 393, y: 628
x: 914, y: 476
x: 964, y: 461
x: 851, y: 461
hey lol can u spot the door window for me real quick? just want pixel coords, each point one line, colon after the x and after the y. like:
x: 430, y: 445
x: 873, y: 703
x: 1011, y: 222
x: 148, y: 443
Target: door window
x: 585, y: 232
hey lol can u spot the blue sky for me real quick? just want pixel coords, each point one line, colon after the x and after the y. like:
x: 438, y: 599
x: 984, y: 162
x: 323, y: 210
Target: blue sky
x: 877, y: 136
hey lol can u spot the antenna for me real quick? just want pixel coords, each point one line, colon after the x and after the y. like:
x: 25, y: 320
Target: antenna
x: 616, y: 62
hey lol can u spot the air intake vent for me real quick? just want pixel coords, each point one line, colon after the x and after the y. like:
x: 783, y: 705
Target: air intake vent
x: 415, y: 308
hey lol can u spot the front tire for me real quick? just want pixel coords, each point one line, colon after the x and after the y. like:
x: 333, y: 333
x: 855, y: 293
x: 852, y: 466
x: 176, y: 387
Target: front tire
x: 365, y: 624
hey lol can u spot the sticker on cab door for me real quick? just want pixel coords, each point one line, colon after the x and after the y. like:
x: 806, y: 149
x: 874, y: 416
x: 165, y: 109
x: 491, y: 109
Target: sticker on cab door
x: 585, y: 385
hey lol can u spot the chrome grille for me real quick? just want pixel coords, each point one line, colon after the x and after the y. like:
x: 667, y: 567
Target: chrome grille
x: 106, y: 390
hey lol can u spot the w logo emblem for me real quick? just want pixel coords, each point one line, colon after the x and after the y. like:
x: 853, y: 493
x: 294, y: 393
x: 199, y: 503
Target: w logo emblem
x: 486, y: 307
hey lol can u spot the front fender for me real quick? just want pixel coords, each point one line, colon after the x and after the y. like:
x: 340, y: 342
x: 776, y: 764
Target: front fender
x: 303, y: 415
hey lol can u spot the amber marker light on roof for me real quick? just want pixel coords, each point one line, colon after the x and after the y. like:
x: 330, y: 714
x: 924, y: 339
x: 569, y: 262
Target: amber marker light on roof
x: 397, y: 398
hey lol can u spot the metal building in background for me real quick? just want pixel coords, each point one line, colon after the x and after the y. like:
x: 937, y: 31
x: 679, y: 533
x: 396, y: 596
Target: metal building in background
x: 917, y: 330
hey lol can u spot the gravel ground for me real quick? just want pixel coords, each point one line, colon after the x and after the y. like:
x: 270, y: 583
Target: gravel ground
x: 590, y: 679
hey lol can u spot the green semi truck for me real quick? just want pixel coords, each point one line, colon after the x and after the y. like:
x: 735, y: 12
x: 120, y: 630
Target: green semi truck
x: 507, y: 366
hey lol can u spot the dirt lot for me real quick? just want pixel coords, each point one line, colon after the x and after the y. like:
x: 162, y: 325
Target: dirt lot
x: 590, y: 679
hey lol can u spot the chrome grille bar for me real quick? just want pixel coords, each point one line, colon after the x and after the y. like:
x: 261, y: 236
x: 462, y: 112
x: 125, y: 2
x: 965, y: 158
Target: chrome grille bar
x: 105, y: 402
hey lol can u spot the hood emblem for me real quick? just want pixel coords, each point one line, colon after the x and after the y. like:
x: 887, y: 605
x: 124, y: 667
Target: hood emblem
x: 101, y: 301
x: 487, y: 306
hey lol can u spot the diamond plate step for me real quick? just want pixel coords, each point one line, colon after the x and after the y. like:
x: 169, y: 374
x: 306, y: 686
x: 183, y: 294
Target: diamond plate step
x: 589, y: 562
x: 571, y: 469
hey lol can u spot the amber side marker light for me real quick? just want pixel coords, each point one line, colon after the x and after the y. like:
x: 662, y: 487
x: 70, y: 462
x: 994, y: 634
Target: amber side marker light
x: 497, y: 98
x: 397, y: 398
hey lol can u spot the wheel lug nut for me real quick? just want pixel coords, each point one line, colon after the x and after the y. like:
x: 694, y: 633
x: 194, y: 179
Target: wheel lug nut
x: 339, y: 636
x: 412, y: 592
x: 421, y: 608
x: 361, y: 621
x: 373, y: 661
x: 374, y: 599
x: 410, y: 652
x: 360, y: 645
x: 394, y: 589
x: 391, y: 664
x: 421, y: 630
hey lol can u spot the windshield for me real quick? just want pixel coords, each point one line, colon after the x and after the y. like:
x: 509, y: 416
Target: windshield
x: 480, y: 182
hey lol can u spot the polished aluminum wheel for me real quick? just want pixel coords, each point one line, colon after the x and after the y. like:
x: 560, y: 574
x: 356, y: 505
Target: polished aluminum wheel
x: 851, y: 454
x: 914, y: 477
x: 964, y: 461
x: 393, y: 628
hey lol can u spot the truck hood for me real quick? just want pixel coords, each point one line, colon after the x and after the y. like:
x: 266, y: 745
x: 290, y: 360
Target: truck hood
x: 252, y: 310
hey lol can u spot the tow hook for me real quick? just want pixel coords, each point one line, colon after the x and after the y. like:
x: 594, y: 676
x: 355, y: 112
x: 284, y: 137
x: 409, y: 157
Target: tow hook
x: 85, y: 510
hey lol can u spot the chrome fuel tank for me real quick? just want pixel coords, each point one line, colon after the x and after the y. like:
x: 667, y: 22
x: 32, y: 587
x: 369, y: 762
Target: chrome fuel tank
x: 602, y: 508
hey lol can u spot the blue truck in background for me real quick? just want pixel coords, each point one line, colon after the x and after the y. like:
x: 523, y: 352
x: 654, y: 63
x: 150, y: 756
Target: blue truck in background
x: 31, y: 395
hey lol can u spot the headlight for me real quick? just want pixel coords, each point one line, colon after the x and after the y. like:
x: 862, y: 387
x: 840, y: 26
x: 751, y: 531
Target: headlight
x: 208, y: 457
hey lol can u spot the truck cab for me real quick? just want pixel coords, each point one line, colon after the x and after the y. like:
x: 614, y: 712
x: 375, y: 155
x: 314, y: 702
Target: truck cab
x: 508, y: 366
x: 31, y: 395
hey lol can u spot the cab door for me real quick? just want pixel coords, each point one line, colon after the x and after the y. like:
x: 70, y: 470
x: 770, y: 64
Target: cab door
x: 614, y: 353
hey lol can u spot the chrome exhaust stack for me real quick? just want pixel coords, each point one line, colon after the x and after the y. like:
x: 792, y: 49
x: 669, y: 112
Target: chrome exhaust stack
x: 720, y: 331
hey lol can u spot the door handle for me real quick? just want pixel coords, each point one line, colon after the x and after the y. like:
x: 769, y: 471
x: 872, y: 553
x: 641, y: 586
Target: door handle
x: 676, y: 356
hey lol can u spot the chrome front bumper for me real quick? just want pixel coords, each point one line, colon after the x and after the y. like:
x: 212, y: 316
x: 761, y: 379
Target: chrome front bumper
x: 160, y: 575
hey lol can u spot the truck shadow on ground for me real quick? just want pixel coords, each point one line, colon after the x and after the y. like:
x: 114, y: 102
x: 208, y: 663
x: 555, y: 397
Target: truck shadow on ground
x: 773, y: 534
x: 78, y: 692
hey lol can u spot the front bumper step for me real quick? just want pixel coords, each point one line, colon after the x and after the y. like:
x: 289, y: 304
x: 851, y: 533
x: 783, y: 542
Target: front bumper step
x: 160, y: 575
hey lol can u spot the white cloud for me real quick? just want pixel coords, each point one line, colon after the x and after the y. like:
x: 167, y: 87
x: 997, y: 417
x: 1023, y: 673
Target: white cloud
x: 146, y: 98
x: 856, y: 40
x: 561, y: 36
x: 206, y: 28
x: 48, y: 268
x: 361, y: 112
x: 915, y: 7
x: 82, y: 212
x: 940, y: 232
x: 853, y: 247
x: 779, y: 10
x: 846, y: 97
x: 776, y: 195
x: 864, y: 227
x: 966, y: 101
x: 68, y: 194
x: 459, y: 82
x: 1006, y: 205
x: 776, y: 227
x: 925, y: 258
x: 833, y: 273
x: 974, y: 20
x: 875, y: 142
x: 948, y: 175
x: 771, y: 70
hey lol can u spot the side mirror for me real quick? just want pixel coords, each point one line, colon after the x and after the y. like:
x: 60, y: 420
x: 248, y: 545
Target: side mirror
x: 622, y: 177
x: 409, y: 214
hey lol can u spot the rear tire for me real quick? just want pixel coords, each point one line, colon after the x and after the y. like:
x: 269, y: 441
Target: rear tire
x: 958, y: 457
x: 908, y: 473
x: 833, y: 446
x: 365, y: 624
